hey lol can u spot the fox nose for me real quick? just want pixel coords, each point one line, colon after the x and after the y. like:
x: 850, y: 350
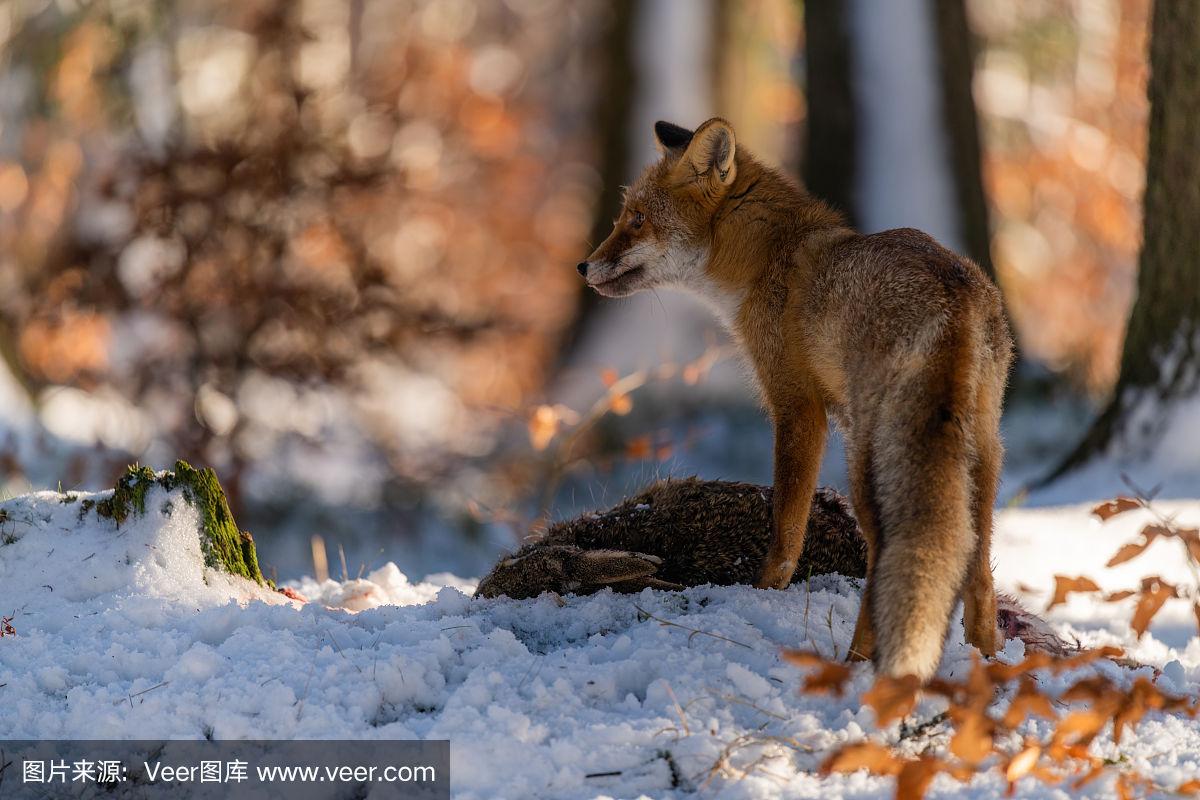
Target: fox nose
x: 582, y: 266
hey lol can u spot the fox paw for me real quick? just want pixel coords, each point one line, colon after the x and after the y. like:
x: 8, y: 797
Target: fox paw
x: 777, y: 575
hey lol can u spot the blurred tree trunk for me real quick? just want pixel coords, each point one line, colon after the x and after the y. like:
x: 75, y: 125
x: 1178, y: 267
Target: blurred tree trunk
x: 956, y: 48
x: 956, y: 70
x: 613, y: 106
x: 830, y: 157
x: 1160, y: 362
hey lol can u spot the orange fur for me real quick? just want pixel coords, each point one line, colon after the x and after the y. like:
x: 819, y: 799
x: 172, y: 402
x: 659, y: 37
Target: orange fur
x: 903, y: 342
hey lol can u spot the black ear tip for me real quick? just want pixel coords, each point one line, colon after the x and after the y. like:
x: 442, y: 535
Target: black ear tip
x: 671, y: 135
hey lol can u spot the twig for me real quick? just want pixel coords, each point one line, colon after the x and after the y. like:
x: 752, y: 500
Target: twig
x: 333, y: 641
x: 139, y: 694
x: 679, y: 710
x: 694, y: 631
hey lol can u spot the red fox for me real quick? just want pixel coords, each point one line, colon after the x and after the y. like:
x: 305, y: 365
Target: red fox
x: 903, y: 342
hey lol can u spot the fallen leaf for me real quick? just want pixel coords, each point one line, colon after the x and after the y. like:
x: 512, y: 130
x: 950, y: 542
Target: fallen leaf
x: 1191, y: 540
x: 1189, y: 787
x: 1020, y: 764
x: 1152, y: 598
x: 1028, y: 702
x: 1153, y: 531
x: 1001, y: 672
x: 1064, y: 585
x: 892, y: 698
x: 1128, y: 552
x: 1143, y: 696
x: 830, y: 677
x: 875, y: 758
x: 972, y: 741
x: 1079, y: 727
x: 915, y: 777
x: 1098, y: 769
x: 1118, y: 505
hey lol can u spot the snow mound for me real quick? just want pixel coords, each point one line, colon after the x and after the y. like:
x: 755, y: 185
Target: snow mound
x: 78, y: 553
x: 124, y: 632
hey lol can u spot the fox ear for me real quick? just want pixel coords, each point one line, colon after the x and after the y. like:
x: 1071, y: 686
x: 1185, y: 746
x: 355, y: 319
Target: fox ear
x: 670, y: 136
x: 710, y: 154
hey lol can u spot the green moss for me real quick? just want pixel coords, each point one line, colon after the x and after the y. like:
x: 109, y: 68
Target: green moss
x: 224, y: 546
x: 129, y: 495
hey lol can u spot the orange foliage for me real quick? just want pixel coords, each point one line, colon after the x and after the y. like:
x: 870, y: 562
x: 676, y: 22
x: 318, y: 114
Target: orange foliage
x: 979, y: 742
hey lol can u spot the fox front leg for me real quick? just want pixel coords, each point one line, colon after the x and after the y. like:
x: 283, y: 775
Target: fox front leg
x: 799, y: 443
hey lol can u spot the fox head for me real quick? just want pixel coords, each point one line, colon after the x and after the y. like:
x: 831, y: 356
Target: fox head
x: 663, y: 234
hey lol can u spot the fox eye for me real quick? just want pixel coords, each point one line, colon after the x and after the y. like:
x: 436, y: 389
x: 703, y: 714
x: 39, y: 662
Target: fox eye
x: 637, y: 220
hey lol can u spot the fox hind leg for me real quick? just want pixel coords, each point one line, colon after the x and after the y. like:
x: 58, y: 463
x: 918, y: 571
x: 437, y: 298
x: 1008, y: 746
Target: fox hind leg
x: 862, y: 646
x: 978, y: 592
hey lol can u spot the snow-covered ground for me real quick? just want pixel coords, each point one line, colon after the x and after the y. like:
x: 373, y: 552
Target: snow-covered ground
x: 123, y: 633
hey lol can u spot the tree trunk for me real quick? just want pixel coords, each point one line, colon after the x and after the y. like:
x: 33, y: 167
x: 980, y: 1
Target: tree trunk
x: 956, y: 70
x: 1160, y: 362
x: 830, y: 160
x: 612, y: 108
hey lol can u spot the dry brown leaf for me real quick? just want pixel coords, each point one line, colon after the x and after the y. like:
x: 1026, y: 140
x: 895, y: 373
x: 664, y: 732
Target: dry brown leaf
x: 1029, y: 701
x: 1047, y: 775
x: 1124, y: 790
x: 1143, y: 696
x: 1096, y: 691
x: 1000, y: 672
x: 892, y: 698
x: 1020, y: 765
x: 830, y: 677
x: 915, y: 777
x: 1098, y: 768
x: 875, y: 758
x: 1079, y: 727
x: 1128, y: 552
x: 1153, y: 531
x: 804, y: 658
x: 1064, y: 585
x: 1113, y: 597
x: 1189, y: 787
x: 1118, y: 505
x: 972, y: 741
x: 1191, y: 539
x: 1155, y: 592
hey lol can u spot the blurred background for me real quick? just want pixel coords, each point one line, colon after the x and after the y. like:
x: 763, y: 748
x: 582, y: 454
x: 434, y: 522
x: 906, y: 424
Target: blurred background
x: 327, y: 246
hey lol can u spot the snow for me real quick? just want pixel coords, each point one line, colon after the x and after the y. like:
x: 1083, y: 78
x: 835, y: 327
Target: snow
x: 122, y: 633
